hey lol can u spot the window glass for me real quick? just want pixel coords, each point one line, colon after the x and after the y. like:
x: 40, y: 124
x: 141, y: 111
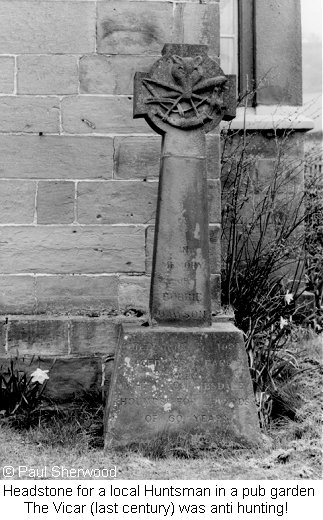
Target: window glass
x: 229, y: 36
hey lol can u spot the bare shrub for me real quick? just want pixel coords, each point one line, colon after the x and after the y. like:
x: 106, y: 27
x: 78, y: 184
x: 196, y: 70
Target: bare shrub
x: 265, y: 235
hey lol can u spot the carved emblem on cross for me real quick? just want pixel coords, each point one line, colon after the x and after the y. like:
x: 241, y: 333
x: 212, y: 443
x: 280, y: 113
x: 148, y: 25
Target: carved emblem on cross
x: 185, y: 89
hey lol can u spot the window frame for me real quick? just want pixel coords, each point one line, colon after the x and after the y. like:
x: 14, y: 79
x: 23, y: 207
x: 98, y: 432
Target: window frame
x: 246, y: 48
x: 233, y: 36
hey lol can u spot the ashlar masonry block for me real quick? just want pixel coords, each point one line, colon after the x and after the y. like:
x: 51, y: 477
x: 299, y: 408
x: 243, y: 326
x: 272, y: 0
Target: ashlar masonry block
x: 17, y: 294
x: 82, y: 294
x: 100, y: 74
x: 215, y: 290
x: 34, y: 27
x: 214, y: 201
x: 278, y: 33
x: 7, y: 72
x: 215, y: 248
x: 50, y: 74
x: 134, y: 27
x: 198, y: 23
x: 212, y: 155
x: 113, y: 202
x: 100, y: 115
x: 71, y: 377
x: 17, y: 202
x: 29, y: 114
x: 55, y: 202
x: 134, y: 293
x: 56, y: 157
x: 72, y: 249
x: 93, y: 336
x: 37, y: 336
x: 136, y: 157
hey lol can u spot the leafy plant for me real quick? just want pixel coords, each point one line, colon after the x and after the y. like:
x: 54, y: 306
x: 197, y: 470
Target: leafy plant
x: 20, y: 393
x: 24, y: 406
x: 78, y: 425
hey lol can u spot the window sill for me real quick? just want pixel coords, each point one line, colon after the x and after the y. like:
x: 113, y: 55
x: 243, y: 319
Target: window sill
x: 270, y: 118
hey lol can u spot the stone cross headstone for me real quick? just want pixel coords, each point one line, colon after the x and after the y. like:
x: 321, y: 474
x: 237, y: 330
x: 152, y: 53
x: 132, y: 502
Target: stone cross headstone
x: 183, y: 98
x: 183, y: 373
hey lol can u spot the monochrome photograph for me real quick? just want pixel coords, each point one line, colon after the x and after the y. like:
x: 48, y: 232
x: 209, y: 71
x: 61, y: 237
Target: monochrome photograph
x: 161, y: 258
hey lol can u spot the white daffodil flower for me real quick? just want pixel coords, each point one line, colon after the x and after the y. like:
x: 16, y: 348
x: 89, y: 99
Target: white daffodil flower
x: 39, y: 376
x: 288, y: 297
x: 283, y: 322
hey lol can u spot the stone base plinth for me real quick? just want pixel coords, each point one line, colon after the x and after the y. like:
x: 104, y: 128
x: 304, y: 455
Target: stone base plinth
x: 177, y: 379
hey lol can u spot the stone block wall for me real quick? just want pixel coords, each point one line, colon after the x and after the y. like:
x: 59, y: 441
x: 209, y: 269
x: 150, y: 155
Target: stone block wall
x: 78, y: 176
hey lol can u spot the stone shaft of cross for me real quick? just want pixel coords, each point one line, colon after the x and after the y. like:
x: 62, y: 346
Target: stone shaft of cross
x: 180, y: 288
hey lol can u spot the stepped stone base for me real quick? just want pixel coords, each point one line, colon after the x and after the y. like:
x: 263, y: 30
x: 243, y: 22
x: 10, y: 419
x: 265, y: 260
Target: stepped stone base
x: 177, y: 379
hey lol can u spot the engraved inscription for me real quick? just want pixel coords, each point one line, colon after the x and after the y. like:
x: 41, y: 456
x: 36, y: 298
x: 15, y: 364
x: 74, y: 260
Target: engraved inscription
x: 177, y: 315
x: 183, y: 281
x: 205, y: 386
x: 130, y: 401
x: 179, y: 418
x: 183, y: 297
x: 151, y: 418
x: 188, y: 264
x: 151, y: 362
x: 175, y: 418
x: 183, y: 400
x: 145, y: 350
x: 204, y: 418
x: 192, y: 265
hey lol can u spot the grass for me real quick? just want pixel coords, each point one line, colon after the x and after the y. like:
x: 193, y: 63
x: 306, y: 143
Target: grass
x: 291, y: 449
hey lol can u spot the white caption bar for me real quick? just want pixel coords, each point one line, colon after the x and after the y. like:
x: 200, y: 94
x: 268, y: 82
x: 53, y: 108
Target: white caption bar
x: 143, y: 500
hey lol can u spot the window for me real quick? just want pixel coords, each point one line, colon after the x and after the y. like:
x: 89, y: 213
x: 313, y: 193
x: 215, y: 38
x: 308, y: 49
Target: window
x: 229, y: 36
x: 237, y: 41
